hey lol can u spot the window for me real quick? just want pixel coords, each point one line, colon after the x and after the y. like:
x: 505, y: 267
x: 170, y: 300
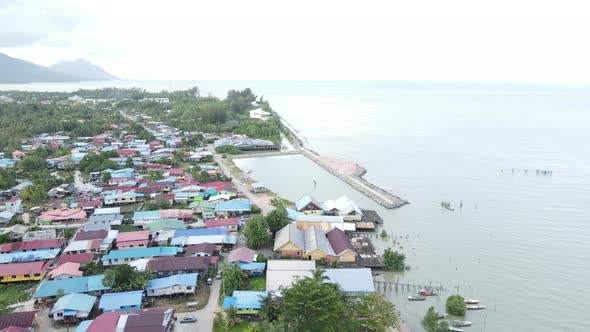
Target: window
x: 13, y: 277
x: 116, y: 259
x: 60, y: 314
x: 189, y: 287
x: 37, y: 274
x: 26, y: 275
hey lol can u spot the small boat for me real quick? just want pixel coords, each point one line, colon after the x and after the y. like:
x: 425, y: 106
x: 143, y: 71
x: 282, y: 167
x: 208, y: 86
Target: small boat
x: 475, y: 307
x: 454, y: 329
x: 442, y: 316
x: 416, y: 298
x: 471, y: 301
x: 425, y: 292
x: 461, y: 323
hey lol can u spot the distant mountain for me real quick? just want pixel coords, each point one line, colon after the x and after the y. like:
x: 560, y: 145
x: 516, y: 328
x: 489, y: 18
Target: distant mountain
x: 82, y: 68
x: 13, y: 70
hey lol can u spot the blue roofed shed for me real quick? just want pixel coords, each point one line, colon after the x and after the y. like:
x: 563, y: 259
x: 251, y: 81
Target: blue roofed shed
x: 118, y: 257
x: 175, y: 284
x: 73, y: 305
x: 90, y: 284
x: 253, y: 269
x: 245, y: 302
x: 234, y: 206
x: 125, y: 301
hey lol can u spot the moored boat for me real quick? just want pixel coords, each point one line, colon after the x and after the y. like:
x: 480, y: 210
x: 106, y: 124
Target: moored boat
x: 416, y: 298
x: 475, y: 307
x: 454, y: 329
x: 425, y: 292
x: 442, y: 316
x: 471, y: 301
x: 461, y: 323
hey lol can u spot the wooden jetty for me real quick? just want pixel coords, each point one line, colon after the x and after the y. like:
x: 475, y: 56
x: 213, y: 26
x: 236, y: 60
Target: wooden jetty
x: 384, y: 286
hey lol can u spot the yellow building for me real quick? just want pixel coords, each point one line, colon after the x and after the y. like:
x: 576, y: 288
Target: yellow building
x: 22, y: 272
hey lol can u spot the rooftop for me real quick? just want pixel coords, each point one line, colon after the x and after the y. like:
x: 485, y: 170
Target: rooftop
x: 189, y: 279
x: 115, y: 301
x: 74, y: 301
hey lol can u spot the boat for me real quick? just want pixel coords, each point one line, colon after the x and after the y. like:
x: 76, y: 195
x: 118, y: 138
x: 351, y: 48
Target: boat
x: 425, y: 292
x: 442, y: 316
x: 461, y: 323
x: 416, y: 298
x: 471, y: 301
x: 454, y: 329
x: 475, y: 307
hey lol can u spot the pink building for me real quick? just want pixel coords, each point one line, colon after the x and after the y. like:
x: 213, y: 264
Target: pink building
x: 133, y: 240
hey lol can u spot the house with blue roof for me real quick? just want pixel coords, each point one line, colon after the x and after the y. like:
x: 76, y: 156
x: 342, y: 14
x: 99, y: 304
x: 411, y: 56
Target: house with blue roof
x: 119, y: 257
x: 292, y: 214
x: 233, y: 207
x: 73, y: 307
x: 245, y: 302
x: 90, y: 284
x: 227, y: 240
x: 7, y: 163
x: 172, y: 285
x: 29, y: 256
x: 124, y: 301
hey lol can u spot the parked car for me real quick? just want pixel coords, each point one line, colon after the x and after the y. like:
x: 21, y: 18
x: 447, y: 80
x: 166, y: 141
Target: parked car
x: 188, y: 319
x: 209, y: 281
x: 219, y: 275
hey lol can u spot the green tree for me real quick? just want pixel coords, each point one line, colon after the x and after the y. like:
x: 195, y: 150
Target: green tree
x: 456, y: 305
x: 4, y: 238
x: 256, y: 232
x: 153, y: 175
x: 7, y: 178
x: 34, y: 193
x: 231, y: 315
x: 393, y: 260
x: 430, y: 320
x: 312, y: 305
x: 93, y: 268
x: 270, y: 309
x: 129, y: 163
x: 69, y: 232
x: 105, y: 177
x: 383, y: 233
x: 375, y: 312
x: 277, y: 219
x: 124, y: 278
x: 31, y: 164
x: 233, y: 278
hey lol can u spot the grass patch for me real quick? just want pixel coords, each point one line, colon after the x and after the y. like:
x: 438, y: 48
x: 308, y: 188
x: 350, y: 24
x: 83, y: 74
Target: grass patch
x: 239, y: 327
x: 179, y: 302
x: 130, y: 208
x: 13, y: 293
x: 256, y: 283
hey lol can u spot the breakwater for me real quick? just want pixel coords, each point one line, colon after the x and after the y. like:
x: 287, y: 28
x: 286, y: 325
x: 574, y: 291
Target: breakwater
x: 355, y: 180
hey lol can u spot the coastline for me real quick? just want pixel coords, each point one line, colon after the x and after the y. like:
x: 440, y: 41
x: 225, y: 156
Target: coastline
x: 355, y: 178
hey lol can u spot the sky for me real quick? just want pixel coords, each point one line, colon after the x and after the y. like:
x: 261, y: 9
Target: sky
x: 467, y: 40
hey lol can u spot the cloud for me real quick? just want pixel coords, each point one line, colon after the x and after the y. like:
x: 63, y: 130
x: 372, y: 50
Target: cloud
x: 26, y: 23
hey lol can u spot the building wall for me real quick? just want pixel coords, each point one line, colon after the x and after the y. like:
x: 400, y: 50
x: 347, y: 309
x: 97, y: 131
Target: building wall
x: 162, y: 274
x: 125, y: 308
x: 23, y: 277
x: 135, y: 246
x: 313, y: 212
x: 64, y: 276
x: 172, y: 290
x: 58, y: 316
x: 347, y: 256
x: 315, y: 255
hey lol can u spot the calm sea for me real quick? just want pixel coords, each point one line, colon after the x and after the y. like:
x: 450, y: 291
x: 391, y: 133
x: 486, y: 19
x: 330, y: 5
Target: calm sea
x: 520, y: 241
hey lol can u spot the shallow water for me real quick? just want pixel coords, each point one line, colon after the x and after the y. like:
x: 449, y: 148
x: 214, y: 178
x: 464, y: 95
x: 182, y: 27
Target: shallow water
x: 520, y: 242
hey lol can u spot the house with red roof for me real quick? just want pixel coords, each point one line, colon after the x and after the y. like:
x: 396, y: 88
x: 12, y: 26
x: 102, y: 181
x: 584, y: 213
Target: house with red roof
x: 64, y: 215
x: 231, y: 224
x: 133, y: 240
x: 149, y: 320
x: 83, y: 259
x: 91, y: 235
x: 35, y: 245
x: 126, y: 152
x: 19, y: 320
x: 201, y: 249
x: 67, y: 270
x: 242, y: 255
x: 219, y: 186
x: 17, y: 272
x: 342, y: 246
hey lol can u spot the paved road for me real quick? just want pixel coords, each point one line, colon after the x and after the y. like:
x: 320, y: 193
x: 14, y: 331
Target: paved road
x: 260, y: 200
x: 204, y: 316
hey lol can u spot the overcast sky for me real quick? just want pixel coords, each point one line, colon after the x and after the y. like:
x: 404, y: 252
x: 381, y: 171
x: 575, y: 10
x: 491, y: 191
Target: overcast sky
x: 533, y: 41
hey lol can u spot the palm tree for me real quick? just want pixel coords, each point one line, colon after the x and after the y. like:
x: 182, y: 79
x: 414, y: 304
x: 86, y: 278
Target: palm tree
x: 28, y: 193
x: 269, y: 310
x: 93, y: 268
x: 319, y: 275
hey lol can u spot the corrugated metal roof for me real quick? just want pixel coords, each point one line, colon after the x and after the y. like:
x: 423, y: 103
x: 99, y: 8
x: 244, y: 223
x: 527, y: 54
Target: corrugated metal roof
x: 74, y: 301
x: 49, y: 288
x: 245, y: 300
x: 114, y: 301
x: 289, y: 233
x: 352, y: 280
x: 143, y: 252
x: 189, y: 279
x: 235, y: 205
x: 29, y: 256
x: 315, y: 239
x: 201, y: 232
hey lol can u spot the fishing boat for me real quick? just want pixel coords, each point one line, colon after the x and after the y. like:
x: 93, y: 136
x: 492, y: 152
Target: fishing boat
x: 454, y: 329
x: 460, y: 323
x: 442, y: 316
x: 425, y: 292
x: 416, y: 298
x: 475, y: 307
x: 471, y: 301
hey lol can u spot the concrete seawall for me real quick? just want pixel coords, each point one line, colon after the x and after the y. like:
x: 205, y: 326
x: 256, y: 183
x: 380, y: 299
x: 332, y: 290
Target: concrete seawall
x: 355, y: 180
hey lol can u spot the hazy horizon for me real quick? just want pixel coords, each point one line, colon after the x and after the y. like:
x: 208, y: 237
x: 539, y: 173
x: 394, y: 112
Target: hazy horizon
x: 530, y: 42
